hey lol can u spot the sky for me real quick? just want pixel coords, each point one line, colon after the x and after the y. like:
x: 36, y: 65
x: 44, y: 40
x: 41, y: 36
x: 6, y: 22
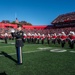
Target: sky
x: 37, y: 12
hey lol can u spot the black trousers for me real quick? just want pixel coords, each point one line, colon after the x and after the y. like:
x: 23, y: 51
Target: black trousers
x: 59, y: 41
x: 48, y: 41
x: 71, y: 44
x: 28, y: 40
x: 38, y: 41
x: 5, y: 40
x: 42, y: 41
x: 62, y: 43
x: 19, y: 55
x: 53, y: 41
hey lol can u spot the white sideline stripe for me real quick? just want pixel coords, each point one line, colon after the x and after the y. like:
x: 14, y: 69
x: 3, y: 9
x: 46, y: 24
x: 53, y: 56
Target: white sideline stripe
x: 58, y: 50
x: 26, y: 52
x: 5, y: 46
x: 14, y: 46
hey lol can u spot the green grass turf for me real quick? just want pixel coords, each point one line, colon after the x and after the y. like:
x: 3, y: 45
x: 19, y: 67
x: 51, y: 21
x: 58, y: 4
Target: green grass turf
x: 38, y: 63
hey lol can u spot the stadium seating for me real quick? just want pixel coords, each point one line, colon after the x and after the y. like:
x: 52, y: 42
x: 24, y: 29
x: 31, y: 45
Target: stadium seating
x: 65, y: 18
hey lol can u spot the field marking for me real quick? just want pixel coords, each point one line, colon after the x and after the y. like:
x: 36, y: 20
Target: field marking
x: 26, y: 52
x: 6, y: 46
x: 44, y: 48
x: 58, y: 50
x: 72, y: 51
x: 14, y: 45
x: 40, y: 49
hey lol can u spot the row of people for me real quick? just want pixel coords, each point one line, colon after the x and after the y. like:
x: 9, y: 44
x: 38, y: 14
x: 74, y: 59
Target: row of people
x: 60, y: 38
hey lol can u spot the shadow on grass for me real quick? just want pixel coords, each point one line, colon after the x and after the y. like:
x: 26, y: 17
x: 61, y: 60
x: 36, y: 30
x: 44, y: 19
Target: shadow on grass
x: 3, y: 73
x: 8, y: 56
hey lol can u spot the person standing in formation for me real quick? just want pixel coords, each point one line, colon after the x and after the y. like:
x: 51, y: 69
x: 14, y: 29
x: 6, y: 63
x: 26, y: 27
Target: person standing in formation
x: 63, y: 39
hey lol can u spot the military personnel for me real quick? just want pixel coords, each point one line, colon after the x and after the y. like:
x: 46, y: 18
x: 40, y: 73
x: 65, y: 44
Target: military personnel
x: 19, y: 43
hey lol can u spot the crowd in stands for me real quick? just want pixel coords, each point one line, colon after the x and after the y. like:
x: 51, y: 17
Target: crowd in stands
x: 65, y: 17
x: 50, y: 31
x: 41, y: 31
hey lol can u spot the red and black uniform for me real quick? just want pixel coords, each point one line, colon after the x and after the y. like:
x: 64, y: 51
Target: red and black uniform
x: 6, y: 37
x: 58, y: 39
x: 71, y: 41
x: 35, y: 38
x: 63, y: 40
x: 54, y: 39
x: 24, y: 38
x: 48, y: 39
x: 38, y: 39
x: 28, y: 38
x: 42, y: 39
x: 32, y: 38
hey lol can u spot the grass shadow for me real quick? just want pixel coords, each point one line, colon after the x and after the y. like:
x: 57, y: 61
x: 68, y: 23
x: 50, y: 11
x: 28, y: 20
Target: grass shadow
x: 3, y: 73
x: 8, y: 56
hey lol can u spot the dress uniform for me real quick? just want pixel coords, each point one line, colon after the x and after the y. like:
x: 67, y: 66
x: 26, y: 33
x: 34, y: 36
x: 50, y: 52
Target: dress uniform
x: 24, y: 37
x: 6, y: 37
x: 63, y: 39
x: 32, y: 38
x: 71, y: 40
x: 19, y: 44
x: 12, y: 33
x: 35, y: 38
x: 38, y: 38
x: 58, y: 38
x: 29, y: 37
x: 48, y: 38
x: 42, y: 38
x: 54, y: 36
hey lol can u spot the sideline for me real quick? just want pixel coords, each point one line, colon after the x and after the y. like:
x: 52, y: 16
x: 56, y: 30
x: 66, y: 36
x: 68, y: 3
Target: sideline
x: 26, y: 52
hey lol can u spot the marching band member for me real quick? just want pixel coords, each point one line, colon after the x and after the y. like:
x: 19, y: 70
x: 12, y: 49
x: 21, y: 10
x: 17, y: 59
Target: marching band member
x: 32, y: 38
x: 6, y: 37
x: 28, y: 37
x: 54, y: 36
x: 35, y: 37
x: 48, y: 38
x: 58, y: 38
x: 24, y: 37
x: 63, y: 39
x: 42, y: 38
x: 38, y: 38
x: 71, y: 40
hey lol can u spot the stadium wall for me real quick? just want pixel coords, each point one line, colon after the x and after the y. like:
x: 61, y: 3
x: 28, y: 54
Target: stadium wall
x: 5, y: 25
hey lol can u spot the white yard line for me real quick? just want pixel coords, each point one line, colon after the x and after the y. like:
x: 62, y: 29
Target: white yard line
x: 26, y: 52
x: 14, y: 45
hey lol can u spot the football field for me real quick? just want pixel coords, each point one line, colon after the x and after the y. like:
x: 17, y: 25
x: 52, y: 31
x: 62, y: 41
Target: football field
x: 38, y: 59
